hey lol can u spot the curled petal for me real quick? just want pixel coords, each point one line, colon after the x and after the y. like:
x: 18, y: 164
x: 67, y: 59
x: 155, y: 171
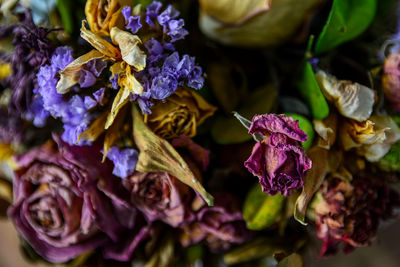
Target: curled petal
x: 352, y: 100
x: 130, y: 50
x: 271, y: 123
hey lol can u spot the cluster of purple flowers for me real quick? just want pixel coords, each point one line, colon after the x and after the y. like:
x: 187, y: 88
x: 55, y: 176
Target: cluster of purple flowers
x: 74, y: 112
x: 165, y: 69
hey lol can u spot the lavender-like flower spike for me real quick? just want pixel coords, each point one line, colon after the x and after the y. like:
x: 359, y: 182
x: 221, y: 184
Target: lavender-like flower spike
x: 32, y: 49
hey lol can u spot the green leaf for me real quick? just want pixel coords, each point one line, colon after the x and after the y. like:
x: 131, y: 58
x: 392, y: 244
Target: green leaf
x: 391, y: 161
x: 306, y: 126
x: 228, y: 130
x: 65, y: 9
x: 261, y: 210
x: 312, y: 94
x: 347, y: 20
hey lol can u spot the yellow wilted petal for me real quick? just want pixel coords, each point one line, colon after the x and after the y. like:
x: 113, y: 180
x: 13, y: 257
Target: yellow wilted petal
x: 234, y: 11
x: 70, y: 75
x: 121, y: 99
x: 5, y: 70
x: 95, y: 129
x: 99, y: 43
x: 130, y: 50
x: 156, y: 154
x: 352, y: 100
x: 375, y: 152
x: 114, y: 132
x: 102, y: 15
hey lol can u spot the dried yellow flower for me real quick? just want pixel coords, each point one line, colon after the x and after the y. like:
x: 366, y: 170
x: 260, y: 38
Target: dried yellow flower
x: 103, y: 15
x: 182, y: 112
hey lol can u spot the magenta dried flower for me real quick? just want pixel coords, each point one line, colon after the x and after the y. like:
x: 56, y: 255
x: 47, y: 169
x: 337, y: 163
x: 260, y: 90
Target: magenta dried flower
x: 278, y: 161
x: 350, y: 213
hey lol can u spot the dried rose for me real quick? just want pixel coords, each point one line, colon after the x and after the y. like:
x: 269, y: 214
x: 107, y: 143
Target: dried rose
x: 161, y: 196
x: 58, y: 207
x: 391, y: 80
x: 220, y: 226
x: 103, y: 15
x: 351, y: 212
x: 179, y: 114
x: 278, y: 161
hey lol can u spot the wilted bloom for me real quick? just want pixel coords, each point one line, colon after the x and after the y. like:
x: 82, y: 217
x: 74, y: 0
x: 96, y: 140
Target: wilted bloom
x: 180, y: 114
x: 103, y: 15
x: 350, y: 212
x: 353, y: 100
x: 254, y: 22
x: 391, y: 80
x: 32, y: 49
x: 58, y: 207
x: 161, y: 196
x: 220, y: 226
x: 371, y: 138
x: 278, y: 161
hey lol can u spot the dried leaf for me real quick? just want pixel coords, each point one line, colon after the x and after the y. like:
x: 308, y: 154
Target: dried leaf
x: 70, y: 75
x: 121, y: 99
x: 99, y: 43
x: 293, y: 260
x: 352, y: 100
x: 130, y: 50
x: 95, y: 129
x: 114, y: 132
x: 234, y: 11
x: 312, y: 181
x: 251, y: 23
x: 327, y: 130
x: 157, y: 154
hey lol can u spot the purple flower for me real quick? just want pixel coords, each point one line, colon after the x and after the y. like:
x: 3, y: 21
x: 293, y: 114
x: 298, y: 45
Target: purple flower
x: 132, y: 22
x: 87, y: 79
x: 32, y: 49
x: 278, y: 161
x: 58, y: 207
x: 220, y: 226
x: 349, y: 213
x: 74, y: 112
x: 124, y: 160
x: 152, y: 12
